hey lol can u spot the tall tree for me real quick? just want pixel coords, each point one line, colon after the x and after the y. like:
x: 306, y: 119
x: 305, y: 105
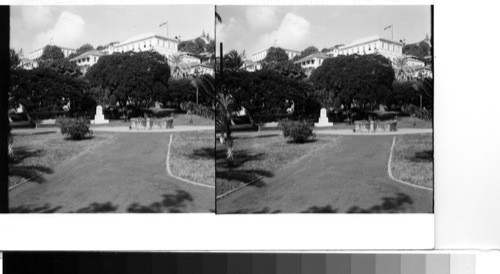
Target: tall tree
x: 306, y: 52
x: 276, y: 55
x: 15, y: 59
x: 84, y: 48
x: 357, y: 82
x: 137, y: 78
x: 178, y: 68
x: 52, y: 53
x: 233, y: 60
x: 403, y: 71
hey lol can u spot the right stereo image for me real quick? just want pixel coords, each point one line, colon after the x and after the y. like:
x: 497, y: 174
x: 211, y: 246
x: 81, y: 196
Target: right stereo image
x: 324, y: 109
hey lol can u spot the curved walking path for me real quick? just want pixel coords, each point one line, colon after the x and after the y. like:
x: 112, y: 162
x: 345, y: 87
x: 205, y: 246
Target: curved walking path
x: 125, y: 175
x: 350, y: 177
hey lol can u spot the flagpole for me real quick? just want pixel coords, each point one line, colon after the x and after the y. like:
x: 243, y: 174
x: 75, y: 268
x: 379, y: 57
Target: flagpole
x: 392, y: 32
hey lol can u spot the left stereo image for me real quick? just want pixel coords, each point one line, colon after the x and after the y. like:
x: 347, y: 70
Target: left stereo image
x: 111, y: 109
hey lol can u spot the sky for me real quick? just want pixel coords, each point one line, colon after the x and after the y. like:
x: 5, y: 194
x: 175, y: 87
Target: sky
x: 253, y: 28
x: 32, y: 27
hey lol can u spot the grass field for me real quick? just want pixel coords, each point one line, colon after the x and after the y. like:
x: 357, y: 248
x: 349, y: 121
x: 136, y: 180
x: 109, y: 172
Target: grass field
x: 38, y: 151
x: 259, y: 154
x: 413, y: 159
x: 192, y: 156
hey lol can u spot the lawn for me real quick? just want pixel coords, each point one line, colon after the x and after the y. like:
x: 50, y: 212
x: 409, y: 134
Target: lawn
x: 38, y: 151
x: 258, y: 154
x: 192, y: 156
x: 412, y: 159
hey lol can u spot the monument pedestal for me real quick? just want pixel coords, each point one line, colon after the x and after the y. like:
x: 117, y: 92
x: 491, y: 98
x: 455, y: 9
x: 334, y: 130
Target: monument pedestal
x: 99, y: 117
x: 323, y: 119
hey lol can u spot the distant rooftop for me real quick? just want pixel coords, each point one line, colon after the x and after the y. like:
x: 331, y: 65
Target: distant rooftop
x: 88, y: 53
x: 367, y: 40
x: 285, y: 49
x: 312, y: 56
x: 144, y: 36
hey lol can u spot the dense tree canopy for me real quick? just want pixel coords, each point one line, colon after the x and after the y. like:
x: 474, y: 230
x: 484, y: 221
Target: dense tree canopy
x: 356, y: 81
x: 45, y: 90
x: 306, y: 52
x: 286, y: 68
x: 52, y: 53
x: 84, y: 48
x: 276, y: 55
x: 233, y: 60
x: 15, y: 60
x: 137, y: 78
x: 267, y: 92
x: 420, y: 50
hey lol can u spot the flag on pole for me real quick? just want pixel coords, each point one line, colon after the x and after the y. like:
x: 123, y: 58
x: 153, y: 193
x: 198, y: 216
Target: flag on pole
x: 388, y: 27
x: 163, y: 24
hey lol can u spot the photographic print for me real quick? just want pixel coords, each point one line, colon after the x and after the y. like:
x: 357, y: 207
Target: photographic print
x: 324, y: 109
x: 110, y: 109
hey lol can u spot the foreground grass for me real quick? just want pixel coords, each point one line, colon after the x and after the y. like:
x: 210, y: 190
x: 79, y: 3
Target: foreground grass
x: 192, y: 156
x: 38, y: 151
x: 412, y: 159
x: 259, y: 154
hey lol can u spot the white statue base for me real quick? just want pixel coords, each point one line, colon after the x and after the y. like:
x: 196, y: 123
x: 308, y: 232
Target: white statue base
x: 99, y: 117
x: 323, y: 119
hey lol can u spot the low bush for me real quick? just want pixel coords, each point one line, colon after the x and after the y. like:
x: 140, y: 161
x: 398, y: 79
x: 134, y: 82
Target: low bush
x: 297, y: 131
x: 74, y: 128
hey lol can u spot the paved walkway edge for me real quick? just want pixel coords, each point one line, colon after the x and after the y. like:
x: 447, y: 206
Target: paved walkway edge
x: 389, y: 171
x: 231, y: 191
x: 167, y: 163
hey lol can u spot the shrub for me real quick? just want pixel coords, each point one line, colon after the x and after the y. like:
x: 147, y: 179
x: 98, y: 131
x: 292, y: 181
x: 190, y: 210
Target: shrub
x: 74, y: 128
x: 298, y: 131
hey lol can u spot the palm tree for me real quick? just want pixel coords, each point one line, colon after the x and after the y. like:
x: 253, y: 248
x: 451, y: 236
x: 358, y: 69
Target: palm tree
x: 178, y: 68
x: 233, y: 60
x: 403, y: 71
x: 223, y: 105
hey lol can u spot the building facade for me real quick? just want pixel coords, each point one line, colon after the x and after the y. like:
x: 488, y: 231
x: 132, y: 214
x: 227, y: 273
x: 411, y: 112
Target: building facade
x: 370, y: 45
x: 251, y: 66
x: 34, y: 55
x: 312, y: 62
x: 86, y: 60
x: 146, y: 42
x: 261, y: 55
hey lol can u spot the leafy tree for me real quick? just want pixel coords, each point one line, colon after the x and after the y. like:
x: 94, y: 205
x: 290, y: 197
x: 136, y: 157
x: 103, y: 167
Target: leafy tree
x: 306, y: 52
x: 287, y: 69
x: 276, y: 55
x: 84, y: 48
x: 100, y: 47
x: 233, y: 60
x: 403, y: 71
x: 403, y: 94
x: 420, y: 50
x: 357, y: 82
x: 180, y: 90
x: 15, y: 60
x: 52, y: 53
x: 178, y: 68
x: 45, y: 90
x: 267, y: 92
x: 136, y: 78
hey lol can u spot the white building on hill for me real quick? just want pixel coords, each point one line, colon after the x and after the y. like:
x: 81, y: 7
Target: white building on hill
x: 369, y: 45
x: 38, y: 52
x: 261, y: 55
x: 145, y: 42
x: 86, y: 60
x: 312, y: 62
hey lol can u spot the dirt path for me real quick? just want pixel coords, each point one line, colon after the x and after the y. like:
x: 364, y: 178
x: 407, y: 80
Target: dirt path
x: 127, y: 175
x: 350, y: 177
